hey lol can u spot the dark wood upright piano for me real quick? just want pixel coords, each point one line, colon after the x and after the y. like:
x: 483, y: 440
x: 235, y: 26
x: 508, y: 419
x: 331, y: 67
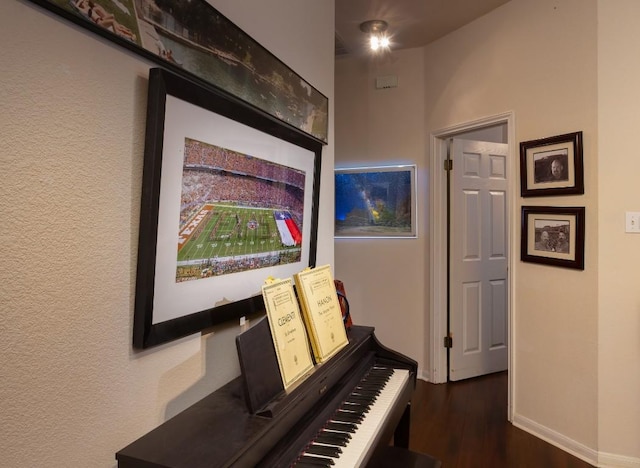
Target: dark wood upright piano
x: 329, y: 416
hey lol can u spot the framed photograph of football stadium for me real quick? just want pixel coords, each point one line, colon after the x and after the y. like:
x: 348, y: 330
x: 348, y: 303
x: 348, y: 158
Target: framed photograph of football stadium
x: 376, y: 202
x: 229, y: 199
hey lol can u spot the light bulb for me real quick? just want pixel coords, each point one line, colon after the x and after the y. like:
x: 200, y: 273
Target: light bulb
x: 376, y: 31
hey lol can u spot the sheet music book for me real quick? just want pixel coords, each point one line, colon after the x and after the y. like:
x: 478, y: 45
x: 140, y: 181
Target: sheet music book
x: 287, y: 330
x: 321, y: 309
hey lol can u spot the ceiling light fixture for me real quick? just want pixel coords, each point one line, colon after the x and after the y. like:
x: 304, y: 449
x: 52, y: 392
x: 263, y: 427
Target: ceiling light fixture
x: 376, y: 30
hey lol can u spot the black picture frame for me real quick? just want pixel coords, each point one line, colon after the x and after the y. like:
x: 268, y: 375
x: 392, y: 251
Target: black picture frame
x: 185, y: 119
x: 552, y: 166
x: 196, y: 41
x: 553, y: 235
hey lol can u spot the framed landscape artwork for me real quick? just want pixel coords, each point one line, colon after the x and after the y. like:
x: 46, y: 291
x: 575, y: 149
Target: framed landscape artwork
x: 228, y: 200
x: 553, y: 236
x: 376, y: 202
x: 192, y: 39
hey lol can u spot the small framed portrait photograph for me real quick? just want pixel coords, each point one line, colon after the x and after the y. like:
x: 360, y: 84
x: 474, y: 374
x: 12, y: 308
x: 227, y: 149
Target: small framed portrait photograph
x: 553, y: 236
x: 552, y: 166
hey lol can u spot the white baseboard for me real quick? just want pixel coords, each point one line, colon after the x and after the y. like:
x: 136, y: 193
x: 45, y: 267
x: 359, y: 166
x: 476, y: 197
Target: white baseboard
x: 555, y: 438
x: 599, y: 459
x: 610, y: 460
x: 423, y: 375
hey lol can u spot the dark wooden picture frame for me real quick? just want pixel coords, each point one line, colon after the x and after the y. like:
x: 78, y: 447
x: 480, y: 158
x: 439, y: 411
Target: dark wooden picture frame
x: 552, y: 166
x: 267, y: 164
x: 196, y: 41
x: 553, y: 235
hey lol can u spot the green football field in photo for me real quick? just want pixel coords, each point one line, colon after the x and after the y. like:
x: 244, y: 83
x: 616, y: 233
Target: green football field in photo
x: 233, y: 231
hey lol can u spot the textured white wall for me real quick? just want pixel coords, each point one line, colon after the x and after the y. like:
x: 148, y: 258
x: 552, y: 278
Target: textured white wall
x: 385, y: 279
x: 72, y: 113
x: 542, y: 60
x: 537, y: 59
x: 619, y: 252
x: 526, y: 57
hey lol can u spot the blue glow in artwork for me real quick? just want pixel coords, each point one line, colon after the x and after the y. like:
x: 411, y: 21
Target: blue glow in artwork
x: 375, y: 202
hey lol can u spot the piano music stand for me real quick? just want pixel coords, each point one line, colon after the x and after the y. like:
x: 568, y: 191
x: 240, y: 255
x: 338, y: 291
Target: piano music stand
x: 259, y: 364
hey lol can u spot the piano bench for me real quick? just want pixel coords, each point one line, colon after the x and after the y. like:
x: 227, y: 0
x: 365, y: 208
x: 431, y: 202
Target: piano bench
x: 397, y: 457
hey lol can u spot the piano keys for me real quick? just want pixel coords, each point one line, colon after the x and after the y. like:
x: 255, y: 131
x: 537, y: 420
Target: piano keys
x: 221, y: 431
x: 362, y: 424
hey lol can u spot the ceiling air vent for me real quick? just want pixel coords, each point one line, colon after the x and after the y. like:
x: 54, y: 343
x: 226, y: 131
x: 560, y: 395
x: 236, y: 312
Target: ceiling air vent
x: 386, y: 82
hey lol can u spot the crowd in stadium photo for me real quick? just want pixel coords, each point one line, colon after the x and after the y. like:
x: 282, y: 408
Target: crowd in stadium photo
x: 214, y: 174
x: 200, y: 187
x: 201, y: 154
x: 227, y: 185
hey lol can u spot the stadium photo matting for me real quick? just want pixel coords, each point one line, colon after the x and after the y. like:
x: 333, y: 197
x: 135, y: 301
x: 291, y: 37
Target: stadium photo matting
x: 229, y: 198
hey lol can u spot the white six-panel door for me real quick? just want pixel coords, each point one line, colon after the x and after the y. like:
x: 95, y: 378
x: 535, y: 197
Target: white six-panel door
x: 478, y: 261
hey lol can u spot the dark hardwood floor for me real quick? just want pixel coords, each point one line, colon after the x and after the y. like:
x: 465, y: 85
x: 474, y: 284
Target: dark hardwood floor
x: 464, y: 424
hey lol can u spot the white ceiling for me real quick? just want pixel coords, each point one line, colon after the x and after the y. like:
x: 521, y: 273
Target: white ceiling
x: 412, y: 23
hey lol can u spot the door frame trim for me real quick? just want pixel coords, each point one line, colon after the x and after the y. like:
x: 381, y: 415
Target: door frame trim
x: 438, y: 241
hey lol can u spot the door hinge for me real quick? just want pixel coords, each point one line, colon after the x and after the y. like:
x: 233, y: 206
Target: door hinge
x: 448, y: 164
x: 448, y: 341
